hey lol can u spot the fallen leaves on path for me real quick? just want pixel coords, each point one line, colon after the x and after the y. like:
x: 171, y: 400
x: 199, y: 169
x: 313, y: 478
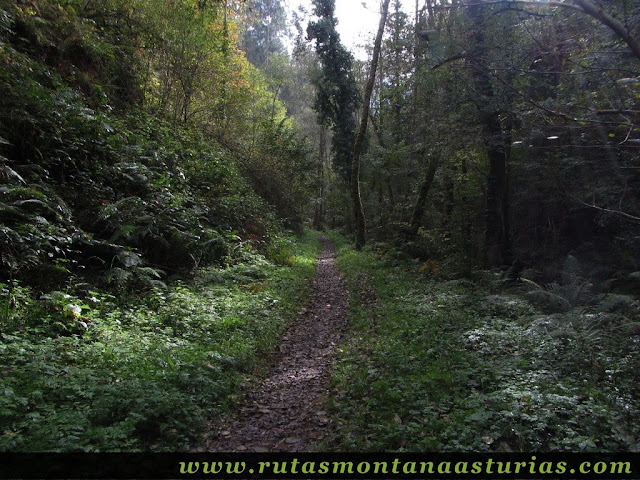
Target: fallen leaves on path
x: 285, y: 412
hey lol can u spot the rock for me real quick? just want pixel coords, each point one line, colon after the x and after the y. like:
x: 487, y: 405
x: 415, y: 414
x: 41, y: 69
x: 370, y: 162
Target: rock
x: 548, y: 302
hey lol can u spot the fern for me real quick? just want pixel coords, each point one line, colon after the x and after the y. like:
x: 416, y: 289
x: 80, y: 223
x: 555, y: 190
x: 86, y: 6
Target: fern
x: 129, y: 259
x: 149, y: 272
x: 531, y: 282
x: 617, y: 303
x: 574, y: 288
x: 150, y: 277
x: 119, y: 276
x: 133, y: 272
x: 125, y: 233
x: 9, y: 173
x: 10, y: 210
x: 129, y: 207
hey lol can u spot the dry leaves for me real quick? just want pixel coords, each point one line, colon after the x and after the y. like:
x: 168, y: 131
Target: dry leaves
x: 284, y: 411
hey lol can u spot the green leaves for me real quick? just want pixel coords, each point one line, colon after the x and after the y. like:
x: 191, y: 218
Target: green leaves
x: 92, y: 373
x: 446, y: 367
x: 36, y: 226
x: 337, y: 97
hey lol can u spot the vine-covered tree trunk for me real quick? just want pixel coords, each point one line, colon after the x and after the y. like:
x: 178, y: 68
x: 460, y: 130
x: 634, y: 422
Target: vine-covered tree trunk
x: 358, y: 210
x: 337, y: 96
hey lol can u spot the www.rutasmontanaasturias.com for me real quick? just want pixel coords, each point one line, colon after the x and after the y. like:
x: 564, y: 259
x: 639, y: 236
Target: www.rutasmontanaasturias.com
x: 400, y: 467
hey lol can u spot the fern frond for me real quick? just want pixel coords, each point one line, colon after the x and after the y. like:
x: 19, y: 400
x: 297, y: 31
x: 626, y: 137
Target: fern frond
x: 130, y: 259
x: 10, y: 174
x: 149, y: 272
x: 531, y: 282
x: 119, y: 276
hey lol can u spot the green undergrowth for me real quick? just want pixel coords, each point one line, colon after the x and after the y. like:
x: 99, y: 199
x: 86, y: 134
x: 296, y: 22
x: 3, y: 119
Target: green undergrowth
x: 96, y: 183
x: 92, y: 372
x: 434, y: 365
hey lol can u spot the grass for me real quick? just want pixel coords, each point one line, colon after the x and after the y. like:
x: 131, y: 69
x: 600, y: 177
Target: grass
x: 452, y: 366
x: 94, y: 373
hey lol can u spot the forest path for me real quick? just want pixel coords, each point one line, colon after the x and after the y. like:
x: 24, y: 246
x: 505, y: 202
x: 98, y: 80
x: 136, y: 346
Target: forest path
x: 285, y: 411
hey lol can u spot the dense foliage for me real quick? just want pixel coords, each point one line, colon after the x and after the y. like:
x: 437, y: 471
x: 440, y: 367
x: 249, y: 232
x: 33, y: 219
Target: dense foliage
x: 94, y: 182
x: 87, y: 371
x: 474, y: 366
x: 506, y: 132
x: 140, y: 153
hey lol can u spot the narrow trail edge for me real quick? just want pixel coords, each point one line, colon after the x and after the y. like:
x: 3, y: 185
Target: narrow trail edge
x: 285, y: 412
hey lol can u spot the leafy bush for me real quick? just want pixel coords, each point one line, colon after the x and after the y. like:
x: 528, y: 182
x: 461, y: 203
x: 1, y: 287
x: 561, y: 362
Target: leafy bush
x: 281, y: 251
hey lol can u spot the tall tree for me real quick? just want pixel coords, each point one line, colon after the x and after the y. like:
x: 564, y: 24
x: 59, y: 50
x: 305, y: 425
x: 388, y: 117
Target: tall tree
x: 337, y: 96
x: 358, y: 210
x: 498, y: 248
x: 266, y: 23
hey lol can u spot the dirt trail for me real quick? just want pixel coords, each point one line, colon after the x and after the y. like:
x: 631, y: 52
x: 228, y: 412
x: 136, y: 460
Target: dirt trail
x: 285, y: 412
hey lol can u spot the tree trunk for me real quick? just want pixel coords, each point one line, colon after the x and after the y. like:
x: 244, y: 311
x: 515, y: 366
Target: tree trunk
x: 497, y: 247
x: 358, y: 210
x: 318, y: 216
x: 421, y: 203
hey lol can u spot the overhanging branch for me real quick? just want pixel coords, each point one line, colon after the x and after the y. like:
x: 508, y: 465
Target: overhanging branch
x: 587, y: 7
x: 618, y: 213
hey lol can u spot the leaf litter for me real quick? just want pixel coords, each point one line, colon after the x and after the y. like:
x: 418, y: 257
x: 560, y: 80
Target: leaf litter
x: 286, y: 411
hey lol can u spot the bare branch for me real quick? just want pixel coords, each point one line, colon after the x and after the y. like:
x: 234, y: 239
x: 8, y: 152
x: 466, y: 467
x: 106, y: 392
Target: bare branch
x: 618, y: 112
x: 614, y: 24
x: 619, y: 213
x: 551, y: 3
x: 460, y: 56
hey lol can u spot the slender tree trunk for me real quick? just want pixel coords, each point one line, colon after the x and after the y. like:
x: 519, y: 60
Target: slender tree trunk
x: 383, y: 144
x: 416, y: 66
x: 429, y: 9
x: 318, y: 217
x: 358, y: 210
x: 225, y: 55
x: 448, y: 189
x: 421, y: 203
